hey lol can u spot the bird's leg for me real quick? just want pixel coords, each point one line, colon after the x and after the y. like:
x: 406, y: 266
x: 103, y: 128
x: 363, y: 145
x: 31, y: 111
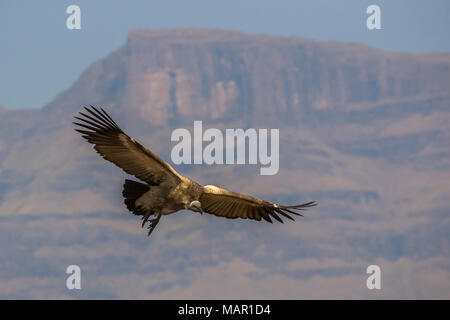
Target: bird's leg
x: 146, y: 216
x: 153, y: 224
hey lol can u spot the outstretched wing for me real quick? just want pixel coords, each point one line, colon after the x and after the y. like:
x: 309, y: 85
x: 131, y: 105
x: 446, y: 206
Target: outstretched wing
x: 114, y: 145
x: 224, y: 203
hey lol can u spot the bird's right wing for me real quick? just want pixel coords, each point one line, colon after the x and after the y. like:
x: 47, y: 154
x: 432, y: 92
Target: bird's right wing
x: 114, y: 145
x: 232, y: 205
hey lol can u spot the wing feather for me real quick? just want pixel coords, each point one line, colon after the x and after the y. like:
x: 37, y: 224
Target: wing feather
x: 98, y: 128
x: 224, y: 203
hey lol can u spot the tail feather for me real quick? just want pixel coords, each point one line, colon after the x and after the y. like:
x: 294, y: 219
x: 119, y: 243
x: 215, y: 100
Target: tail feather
x: 132, y: 190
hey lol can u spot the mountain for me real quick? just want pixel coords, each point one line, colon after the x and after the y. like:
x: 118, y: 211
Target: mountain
x: 363, y: 131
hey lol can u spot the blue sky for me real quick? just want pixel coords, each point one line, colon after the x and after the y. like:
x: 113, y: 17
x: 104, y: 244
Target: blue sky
x: 40, y: 57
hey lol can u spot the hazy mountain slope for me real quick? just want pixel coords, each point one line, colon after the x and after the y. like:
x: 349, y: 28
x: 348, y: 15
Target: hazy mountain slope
x: 363, y: 131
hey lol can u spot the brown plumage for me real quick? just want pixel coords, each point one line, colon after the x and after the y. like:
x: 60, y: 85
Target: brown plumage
x: 165, y: 190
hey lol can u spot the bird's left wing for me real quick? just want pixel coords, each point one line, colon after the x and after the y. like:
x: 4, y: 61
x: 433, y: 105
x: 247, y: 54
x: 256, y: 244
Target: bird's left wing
x: 232, y: 205
x: 114, y: 145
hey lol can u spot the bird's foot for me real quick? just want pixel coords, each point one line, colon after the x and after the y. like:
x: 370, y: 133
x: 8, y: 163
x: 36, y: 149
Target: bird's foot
x: 152, y: 225
x: 145, y: 217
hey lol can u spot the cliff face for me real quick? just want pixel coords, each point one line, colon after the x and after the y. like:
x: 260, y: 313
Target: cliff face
x: 209, y: 74
x: 225, y: 74
x: 363, y: 131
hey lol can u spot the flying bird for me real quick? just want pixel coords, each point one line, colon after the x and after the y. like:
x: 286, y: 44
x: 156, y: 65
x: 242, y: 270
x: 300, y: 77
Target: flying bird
x: 164, y: 190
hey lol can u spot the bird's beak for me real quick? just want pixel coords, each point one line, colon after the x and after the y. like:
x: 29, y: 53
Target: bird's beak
x: 201, y: 211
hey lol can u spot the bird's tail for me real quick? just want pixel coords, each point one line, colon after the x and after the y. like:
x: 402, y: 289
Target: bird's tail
x: 132, y: 190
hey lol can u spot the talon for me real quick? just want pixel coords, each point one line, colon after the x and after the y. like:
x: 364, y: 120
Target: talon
x: 153, y: 224
x: 145, y: 217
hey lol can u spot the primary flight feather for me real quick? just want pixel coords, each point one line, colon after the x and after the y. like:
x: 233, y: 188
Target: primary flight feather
x: 166, y: 191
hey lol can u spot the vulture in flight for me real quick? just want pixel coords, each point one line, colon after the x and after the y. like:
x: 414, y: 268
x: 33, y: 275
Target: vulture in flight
x: 165, y: 191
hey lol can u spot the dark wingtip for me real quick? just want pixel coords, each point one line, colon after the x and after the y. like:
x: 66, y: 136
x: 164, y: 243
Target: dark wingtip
x: 285, y: 211
x: 301, y: 206
x: 98, y: 120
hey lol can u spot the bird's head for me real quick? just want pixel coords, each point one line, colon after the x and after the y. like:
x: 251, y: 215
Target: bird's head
x: 195, y: 206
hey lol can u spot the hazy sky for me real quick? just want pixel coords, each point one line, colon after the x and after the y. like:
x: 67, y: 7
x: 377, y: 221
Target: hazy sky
x: 39, y: 56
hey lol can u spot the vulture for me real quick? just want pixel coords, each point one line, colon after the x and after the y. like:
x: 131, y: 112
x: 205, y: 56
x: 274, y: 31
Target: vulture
x: 164, y: 190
